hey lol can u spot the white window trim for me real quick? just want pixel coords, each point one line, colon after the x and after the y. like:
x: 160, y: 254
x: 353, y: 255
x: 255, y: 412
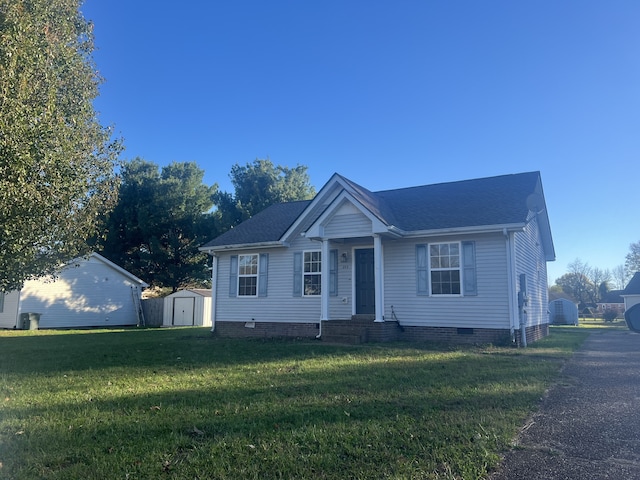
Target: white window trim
x: 256, y: 275
x: 431, y: 269
x: 304, y: 274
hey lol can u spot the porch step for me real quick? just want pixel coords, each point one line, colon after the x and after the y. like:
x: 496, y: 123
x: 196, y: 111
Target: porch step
x: 363, y: 317
x: 342, y: 339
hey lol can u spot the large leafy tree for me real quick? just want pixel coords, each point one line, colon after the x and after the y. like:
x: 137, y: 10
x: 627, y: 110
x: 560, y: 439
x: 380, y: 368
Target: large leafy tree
x: 56, y: 161
x: 632, y: 261
x: 161, y: 219
x: 258, y: 185
x: 577, y: 282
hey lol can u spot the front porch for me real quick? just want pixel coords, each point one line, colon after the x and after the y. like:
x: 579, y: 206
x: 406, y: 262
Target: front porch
x: 360, y: 329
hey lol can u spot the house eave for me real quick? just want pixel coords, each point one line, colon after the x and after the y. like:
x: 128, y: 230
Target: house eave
x: 438, y: 232
x: 243, y: 246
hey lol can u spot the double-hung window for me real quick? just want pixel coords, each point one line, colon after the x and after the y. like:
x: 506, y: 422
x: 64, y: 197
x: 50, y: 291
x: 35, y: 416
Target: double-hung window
x: 444, y: 264
x: 312, y: 273
x: 247, y: 275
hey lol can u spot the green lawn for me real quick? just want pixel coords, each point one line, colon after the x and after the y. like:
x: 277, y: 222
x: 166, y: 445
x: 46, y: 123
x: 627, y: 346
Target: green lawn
x: 180, y: 404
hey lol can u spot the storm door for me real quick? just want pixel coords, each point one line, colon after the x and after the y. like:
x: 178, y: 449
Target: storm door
x: 365, y: 282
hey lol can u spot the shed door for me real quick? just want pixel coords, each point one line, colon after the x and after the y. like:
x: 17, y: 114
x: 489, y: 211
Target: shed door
x: 183, y: 311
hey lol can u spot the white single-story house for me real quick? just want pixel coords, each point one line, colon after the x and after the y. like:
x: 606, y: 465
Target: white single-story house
x: 563, y: 312
x: 87, y: 292
x: 631, y: 295
x: 190, y: 307
x: 612, y: 301
x: 460, y: 262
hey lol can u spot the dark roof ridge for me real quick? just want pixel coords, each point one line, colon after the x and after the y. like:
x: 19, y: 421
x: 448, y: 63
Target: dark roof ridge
x: 537, y: 172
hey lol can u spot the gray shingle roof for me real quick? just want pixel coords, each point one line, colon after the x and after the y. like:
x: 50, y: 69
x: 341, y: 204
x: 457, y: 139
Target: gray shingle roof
x: 633, y: 287
x: 500, y: 200
x: 470, y: 203
x: 267, y: 226
x: 612, y: 296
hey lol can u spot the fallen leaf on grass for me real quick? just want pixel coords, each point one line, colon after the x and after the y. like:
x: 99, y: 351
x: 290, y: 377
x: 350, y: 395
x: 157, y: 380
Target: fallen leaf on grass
x: 155, y: 407
x: 196, y: 432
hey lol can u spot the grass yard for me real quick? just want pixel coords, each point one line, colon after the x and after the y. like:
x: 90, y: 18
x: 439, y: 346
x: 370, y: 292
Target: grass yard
x: 180, y: 404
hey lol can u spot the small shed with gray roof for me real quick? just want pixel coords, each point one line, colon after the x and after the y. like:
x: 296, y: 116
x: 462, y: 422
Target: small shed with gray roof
x: 187, y: 308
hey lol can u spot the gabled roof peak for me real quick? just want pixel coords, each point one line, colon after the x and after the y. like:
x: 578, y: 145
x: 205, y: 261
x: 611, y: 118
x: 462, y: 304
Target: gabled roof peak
x: 476, y: 204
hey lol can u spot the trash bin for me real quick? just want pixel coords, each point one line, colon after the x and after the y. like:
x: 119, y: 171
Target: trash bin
x: 29, y: 321
x: 34, y: 321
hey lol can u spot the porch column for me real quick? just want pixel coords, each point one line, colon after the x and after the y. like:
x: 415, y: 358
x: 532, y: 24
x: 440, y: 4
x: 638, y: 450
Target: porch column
x: 377, y: 270
x: 324, y: 281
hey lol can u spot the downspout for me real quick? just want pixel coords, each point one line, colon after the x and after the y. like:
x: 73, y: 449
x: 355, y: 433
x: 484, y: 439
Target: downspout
x: 18, y: 308
x: 214, y: 282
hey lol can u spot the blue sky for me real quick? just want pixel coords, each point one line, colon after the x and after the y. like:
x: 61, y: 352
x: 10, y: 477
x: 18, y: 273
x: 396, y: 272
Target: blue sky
x: 392, y: 94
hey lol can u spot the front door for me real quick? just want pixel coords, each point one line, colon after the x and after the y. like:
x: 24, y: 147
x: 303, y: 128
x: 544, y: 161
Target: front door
x: 365, y: 282
x: 183, y: 311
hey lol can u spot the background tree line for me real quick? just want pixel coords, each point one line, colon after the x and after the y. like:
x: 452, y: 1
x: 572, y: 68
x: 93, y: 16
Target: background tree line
x: 590, y: 285
x: 163, y: 215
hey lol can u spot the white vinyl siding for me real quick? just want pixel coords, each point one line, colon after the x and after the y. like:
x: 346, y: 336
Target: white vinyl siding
x: 348, y: 226
x: 340, y: 303
x: 489, y: 308
x: 530, y: 261
x: 279, y: 305
x: 88, y: 294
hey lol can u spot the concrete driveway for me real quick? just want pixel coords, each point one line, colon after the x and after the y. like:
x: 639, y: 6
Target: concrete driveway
x: 588, y: 426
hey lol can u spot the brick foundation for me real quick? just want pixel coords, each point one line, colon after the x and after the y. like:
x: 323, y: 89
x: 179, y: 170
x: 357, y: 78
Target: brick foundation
x: 454, y: 335
x: 266, y: 330
x: 534, y: 333
x: 359, y: 331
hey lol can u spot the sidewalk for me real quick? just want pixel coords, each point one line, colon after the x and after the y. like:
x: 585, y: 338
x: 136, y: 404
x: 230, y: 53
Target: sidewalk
x: 588, y: 427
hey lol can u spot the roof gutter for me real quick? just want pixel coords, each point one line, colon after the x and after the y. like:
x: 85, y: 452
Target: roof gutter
x: 511, y: 227
x: 242, y: 246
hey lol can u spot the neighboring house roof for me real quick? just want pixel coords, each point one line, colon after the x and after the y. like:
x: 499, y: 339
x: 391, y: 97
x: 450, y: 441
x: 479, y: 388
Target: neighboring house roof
x: 633, y: 287
x: 612, y: 296
x: 492, y: 201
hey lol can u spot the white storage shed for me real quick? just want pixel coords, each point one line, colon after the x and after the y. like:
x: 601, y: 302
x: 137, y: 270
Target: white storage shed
x: 563, y: 312
x: 187, y: 308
